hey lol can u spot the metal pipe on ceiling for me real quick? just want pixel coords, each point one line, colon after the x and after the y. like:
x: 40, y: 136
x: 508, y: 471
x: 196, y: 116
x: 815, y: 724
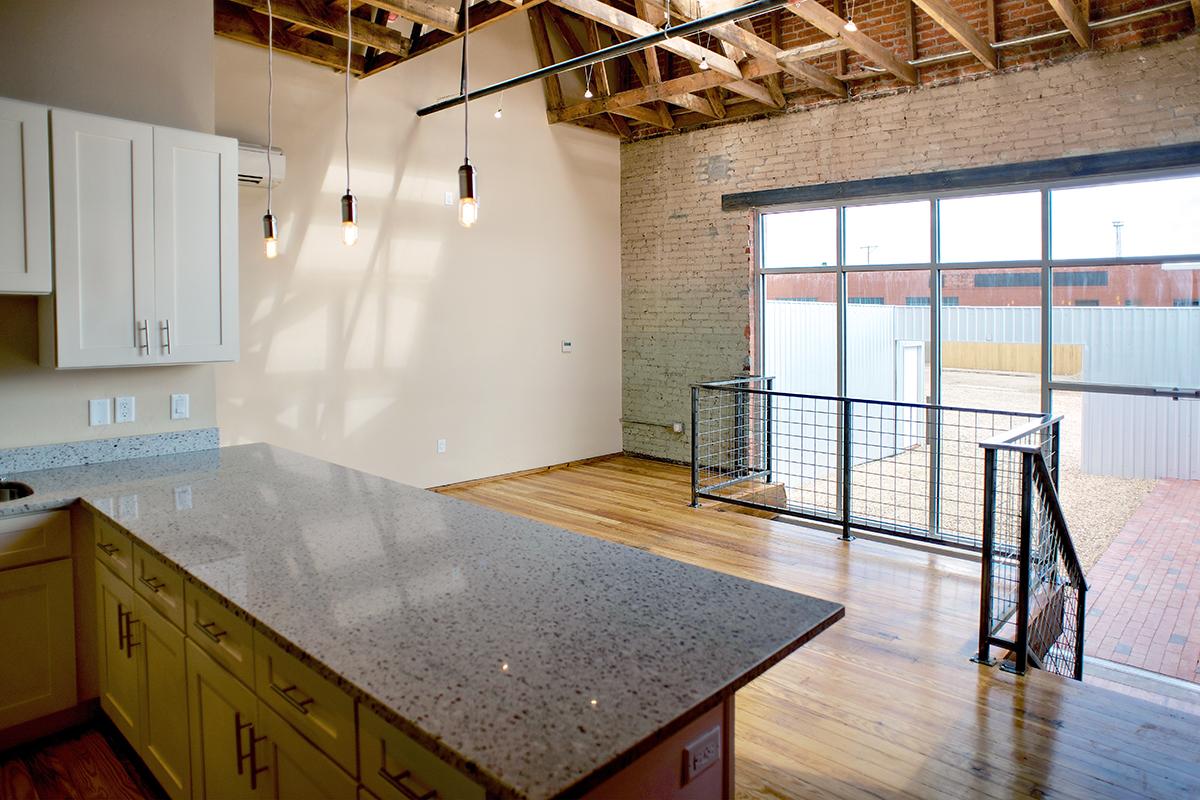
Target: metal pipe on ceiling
x: 614, y: 51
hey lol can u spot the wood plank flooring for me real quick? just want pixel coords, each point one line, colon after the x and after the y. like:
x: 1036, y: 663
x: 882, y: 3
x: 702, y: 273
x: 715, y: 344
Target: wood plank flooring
x: 91, y: 761
x: 885, y: 704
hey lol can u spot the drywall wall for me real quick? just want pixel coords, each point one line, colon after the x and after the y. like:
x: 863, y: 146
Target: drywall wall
x: 366, y: 356
x: 686, y: 264
x: 148, y: 60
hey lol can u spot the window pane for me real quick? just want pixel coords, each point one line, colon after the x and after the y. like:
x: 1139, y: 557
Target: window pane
x: 1133, y: 325
x: 800, y: 332
x: 991, y: 339
x: 894, y: 233
x: 1143, y: 218
x: 999, y: 227
x: 800, y: 239
x: 887, y: 335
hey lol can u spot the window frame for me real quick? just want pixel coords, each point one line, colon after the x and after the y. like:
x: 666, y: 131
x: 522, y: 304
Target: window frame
x: 935, y: 267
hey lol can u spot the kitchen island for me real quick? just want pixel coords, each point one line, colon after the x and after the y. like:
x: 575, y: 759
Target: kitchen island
x: 533, y: 661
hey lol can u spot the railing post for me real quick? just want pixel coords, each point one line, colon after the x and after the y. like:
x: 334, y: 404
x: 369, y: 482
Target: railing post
x: 1080, y: 611
x: 1055, y: 451
x: 767, y: 445
x: 935, y: 471
x: 695, y: 445
x: 740, y: 438
x: 1024, y: 557
x: 847, y: 467
x: 984, y: 656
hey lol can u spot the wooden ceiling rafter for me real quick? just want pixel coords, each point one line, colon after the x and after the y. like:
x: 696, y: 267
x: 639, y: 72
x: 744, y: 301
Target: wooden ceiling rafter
x: 239, y: 23
x: 306, y: 16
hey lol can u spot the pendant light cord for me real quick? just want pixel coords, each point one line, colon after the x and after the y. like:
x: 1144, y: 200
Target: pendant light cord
x: 270, y: 96
x: 349, y: 49
x: 463, y: 83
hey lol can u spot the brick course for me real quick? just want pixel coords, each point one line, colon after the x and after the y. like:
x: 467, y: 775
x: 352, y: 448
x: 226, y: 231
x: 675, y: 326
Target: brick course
x: 686, y: 265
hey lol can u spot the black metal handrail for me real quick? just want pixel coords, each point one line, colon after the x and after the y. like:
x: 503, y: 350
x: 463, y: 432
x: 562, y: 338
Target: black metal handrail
x: 1033, y: 593
x: 847, y: 453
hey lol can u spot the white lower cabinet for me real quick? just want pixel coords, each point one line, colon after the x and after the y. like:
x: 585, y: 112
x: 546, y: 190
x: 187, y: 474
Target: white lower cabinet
x: 119, y: 694
x: 296, y: 769
x: 222, y: 716
x: 159, y: 651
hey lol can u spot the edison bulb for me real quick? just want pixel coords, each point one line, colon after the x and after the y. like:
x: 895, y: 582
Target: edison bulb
x: 587, y: 94
x: 271, y: 247
x: 704, y: 62
x: 468, y: 211
x: 850, y: 26
x: 499, y: 113
x: 349, y: 233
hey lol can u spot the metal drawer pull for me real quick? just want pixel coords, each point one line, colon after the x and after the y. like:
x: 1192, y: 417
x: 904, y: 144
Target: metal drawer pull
x: 395, y: 782
x: 153, y: 583
x: 143, y: 329
x: 164, y: 328
x: 106, y: 548
x: 285, y: 693
x: 120, y: 627
x: 252, y: 755
x: 129, y: 642
x: 206, y: 629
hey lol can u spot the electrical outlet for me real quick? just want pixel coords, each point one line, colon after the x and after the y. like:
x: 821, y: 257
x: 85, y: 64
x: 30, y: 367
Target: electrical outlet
x: 100, y: 411
x: 180, y: 406
x: 441, y: 445
x: 126, y: 409
x: 567, y: 346
x: 700, y: 754
x: 449, y: 200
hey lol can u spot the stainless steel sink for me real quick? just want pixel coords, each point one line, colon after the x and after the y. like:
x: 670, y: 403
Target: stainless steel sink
x: 14, y: 490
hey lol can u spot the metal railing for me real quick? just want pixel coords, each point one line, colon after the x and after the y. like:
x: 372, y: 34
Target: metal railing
x: 904, y: 469
x: 1033, y: 593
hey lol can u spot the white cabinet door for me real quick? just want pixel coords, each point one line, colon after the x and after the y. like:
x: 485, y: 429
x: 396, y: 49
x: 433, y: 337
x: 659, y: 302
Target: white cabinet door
x: 195, y: 245
x: 103, y: 240
x: 37, y: 627
x: 24, y: 198
x: 163, y: 682
x: 222, y: 717
x: 296, y: 769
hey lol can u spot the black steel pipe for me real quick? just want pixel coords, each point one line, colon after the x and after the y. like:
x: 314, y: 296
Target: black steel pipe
x: 614, y: 51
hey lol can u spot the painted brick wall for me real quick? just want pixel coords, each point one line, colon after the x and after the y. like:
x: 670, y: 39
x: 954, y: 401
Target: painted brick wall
x: 686, y: 265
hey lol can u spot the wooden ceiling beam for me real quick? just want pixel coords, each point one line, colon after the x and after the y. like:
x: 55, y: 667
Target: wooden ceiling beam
x: 545, y: 56
x: 957, y: 26
x: 431, y: 15
x: 321, y: 19
x: 243, y: 25
x: 1075, y: 21
x: 834, y: 27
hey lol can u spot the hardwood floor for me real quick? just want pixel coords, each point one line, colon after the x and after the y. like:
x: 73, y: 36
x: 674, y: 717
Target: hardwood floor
x: 885, y: 704
x: 92, y: 761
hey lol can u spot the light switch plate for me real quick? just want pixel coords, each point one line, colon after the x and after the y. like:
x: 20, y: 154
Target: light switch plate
x: 126, y: 409
x: 567, y: 346
x: 100, y: 411
x: 441, y: 445
x: 180, y: 406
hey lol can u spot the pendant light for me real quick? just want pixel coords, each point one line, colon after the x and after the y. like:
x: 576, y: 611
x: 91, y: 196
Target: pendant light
x: 587, y: 83
x: 499, y: 107
x: 468, y: 200
x: 349, y: 202
x: 270, y: 224
x: 850, y: 26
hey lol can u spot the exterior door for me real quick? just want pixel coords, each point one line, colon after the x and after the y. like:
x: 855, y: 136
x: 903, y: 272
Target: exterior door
x: 195, y: 200
x: 103, y: 239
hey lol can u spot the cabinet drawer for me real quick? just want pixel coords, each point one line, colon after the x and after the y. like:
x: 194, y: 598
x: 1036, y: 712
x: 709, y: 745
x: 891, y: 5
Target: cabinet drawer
x: 30, y: 538
x: 113, y: 548
x: 160, y: 585
x: 219, y: 632
x: 317, y: 708
x: 394, y: 767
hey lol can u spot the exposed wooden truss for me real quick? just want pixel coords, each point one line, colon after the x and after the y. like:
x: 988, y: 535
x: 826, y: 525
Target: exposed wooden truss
x: 732, y: 69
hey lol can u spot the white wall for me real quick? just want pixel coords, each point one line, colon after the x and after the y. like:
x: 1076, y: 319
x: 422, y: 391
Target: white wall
x: 147, y: 60
x: 367, y: 355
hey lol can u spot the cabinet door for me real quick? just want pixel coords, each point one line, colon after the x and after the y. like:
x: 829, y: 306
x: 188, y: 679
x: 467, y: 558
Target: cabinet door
x: 162, y: 678
x: 296, y: 769
x: 24, y: 198
x: 195, y: 245
x: 118, y: 666
x: 222, y: 718
x: 37, y: 627
x: 103, y: 240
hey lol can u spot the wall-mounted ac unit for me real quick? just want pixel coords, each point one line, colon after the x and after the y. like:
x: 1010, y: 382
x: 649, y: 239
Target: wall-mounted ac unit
x: 252, y: 165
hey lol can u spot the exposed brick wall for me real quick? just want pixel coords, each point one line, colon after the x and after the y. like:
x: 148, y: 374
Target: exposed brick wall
x: 686, y: 265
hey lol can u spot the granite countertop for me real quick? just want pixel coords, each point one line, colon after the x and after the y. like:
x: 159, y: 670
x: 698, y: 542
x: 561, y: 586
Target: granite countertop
x: 414, y: 601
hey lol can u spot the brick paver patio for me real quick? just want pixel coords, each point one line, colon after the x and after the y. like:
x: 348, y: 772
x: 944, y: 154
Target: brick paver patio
x: 1144, y: 594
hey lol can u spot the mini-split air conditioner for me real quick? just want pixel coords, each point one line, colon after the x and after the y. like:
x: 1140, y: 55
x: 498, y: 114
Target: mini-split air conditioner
x: 252, y: 165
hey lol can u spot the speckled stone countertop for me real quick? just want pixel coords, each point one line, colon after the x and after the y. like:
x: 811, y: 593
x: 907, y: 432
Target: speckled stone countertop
x: 413, y: 601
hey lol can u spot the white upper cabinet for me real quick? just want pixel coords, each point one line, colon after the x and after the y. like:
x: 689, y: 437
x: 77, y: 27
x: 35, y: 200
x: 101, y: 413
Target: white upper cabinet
x: 24, y: 199
x: 145, y: 242
x: 103, y: 240
x: 195, y: 247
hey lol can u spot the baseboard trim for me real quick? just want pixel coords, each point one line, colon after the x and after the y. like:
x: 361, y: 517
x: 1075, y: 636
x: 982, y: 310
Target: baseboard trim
x: 49, y: 725
x: 447, y: 487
